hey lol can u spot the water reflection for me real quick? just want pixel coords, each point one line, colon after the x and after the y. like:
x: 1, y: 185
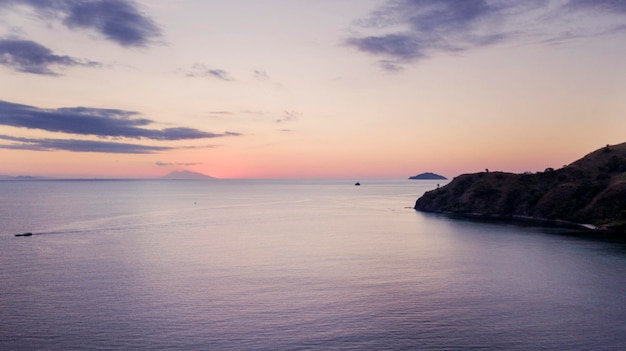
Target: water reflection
x: 302, y: 266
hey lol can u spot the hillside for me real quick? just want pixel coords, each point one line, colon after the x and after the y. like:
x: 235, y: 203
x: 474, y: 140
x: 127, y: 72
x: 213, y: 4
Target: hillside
x: 591, y: 190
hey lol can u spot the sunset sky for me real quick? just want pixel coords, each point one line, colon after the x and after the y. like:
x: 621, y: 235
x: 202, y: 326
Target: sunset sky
x: 307, y: 88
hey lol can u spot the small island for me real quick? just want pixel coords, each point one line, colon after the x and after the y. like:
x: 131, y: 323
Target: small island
x: 590, y: 193
x: 428, y: 176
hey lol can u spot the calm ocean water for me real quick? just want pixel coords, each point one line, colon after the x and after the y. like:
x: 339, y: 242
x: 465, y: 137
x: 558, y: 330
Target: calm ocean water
x: 291, y: 265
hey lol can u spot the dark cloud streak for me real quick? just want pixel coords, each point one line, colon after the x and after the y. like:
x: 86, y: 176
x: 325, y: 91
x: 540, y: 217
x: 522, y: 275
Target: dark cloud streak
x: 165, y: 164
x: 74, y: 145
x: 413, y: 30
x: 120, y: 21
x: 94, y: 121
x: 201, y: 70
x: 30, y: 57
x: 399, y: 46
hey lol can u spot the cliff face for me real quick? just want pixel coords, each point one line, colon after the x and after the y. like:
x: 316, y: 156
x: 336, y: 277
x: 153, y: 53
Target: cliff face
x: 591, y: 190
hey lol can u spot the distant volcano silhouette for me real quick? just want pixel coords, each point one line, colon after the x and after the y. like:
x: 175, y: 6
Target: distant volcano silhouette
x: 185, y: 175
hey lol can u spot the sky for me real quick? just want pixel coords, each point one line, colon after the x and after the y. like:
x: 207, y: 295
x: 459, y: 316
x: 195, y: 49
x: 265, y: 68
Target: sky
x: 307, y: 88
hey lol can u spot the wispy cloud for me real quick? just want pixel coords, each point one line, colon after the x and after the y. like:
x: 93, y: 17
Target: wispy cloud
x: 241, y: 115
x: 120, y: 21
x: 31, y: 57
x: 74, y: 145
x: 256, y: 113
x: 289, y: 116
x: 94, y: 121
x: 260, y: 75
x: 407, y: 31
x: 201, y: 70
x: 609, y: 6
x: 165, y: 164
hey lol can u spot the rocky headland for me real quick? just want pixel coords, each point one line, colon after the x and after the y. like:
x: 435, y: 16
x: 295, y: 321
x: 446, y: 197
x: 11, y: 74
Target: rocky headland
x: 590, y: 192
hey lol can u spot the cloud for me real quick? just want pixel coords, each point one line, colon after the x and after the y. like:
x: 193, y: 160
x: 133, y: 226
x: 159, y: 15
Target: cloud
x: 253, y: 113
x: 289, y: 116
x: 74, y: 145
x: 428, y: 27
x: 390, y: 65
x: 94, y: 121
x: 261, y: 75
x: 240, y: 115
x: 201, y: 70
x: 400, y: 46
x: 120, y: 21
x: 611, y: 6
x: 164, y: 164
x: 30, y: 57
x: 408, y: 31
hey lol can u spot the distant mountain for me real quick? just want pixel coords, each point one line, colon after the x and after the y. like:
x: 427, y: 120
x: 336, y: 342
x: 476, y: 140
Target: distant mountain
x: 428, y: 175
x: 185, y: 175
x: 591, y: 190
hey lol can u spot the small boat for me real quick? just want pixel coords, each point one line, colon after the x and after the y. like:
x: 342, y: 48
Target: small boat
x: 24, y: 234
x: 357, y: 184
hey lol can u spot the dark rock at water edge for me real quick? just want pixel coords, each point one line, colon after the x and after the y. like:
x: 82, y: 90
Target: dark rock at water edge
x: 590, y: 191
x: 428, y: 176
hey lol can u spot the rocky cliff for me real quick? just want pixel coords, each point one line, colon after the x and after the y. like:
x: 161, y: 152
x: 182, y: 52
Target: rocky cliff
x: 591, y: 191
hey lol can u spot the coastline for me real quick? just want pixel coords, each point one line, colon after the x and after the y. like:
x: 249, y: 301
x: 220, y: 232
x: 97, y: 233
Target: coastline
x: 566, y: 227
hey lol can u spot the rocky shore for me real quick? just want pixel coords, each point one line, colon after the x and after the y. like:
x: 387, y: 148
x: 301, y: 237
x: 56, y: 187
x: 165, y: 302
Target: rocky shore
x: 590, y: 192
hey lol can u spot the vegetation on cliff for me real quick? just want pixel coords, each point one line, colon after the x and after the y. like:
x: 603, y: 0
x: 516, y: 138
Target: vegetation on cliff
x: 591, y: 190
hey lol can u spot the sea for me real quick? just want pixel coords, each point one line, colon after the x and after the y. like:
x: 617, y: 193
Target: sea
x: 292, y: 265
